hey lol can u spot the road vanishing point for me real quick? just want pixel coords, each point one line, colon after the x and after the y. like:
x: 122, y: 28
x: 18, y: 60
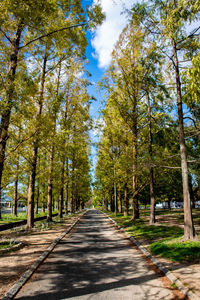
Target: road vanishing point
x: 95, y: 261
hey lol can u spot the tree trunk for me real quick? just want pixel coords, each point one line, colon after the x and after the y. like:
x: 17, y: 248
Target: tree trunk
x: 37, y: 199
x: 73, y: 187
x: 169, y: 203
x: 126, y: 201
x: 105, y: 201
x: 8, y: 103
x: 82, y: 205
x: 67, y: 187
x: 120, y: 202
x: 136, y: 214
x: 50, y: 179
x: 191, y: 192
x: 15, y: 196
x: 112, y: 201
x: 43, y: 198
x: 53, y: 203
x: 189, y: 231
x: 78, y: 203
x: 151, y: 180
x: 50, y: 186
x: 31, y: 190
x: 61, y: 198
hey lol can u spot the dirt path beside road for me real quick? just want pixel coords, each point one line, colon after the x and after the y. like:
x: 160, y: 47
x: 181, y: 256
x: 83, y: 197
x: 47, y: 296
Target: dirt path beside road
x: 14, y: 264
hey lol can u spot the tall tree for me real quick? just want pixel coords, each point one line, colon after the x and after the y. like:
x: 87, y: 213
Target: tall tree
x: 169, y: 21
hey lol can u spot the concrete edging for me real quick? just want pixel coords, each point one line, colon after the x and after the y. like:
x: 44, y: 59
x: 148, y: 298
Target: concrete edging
x: 25, y: 277
x: 156, y: 262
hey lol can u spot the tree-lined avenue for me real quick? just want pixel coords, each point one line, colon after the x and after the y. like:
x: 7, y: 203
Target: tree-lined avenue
x: 95, y: 262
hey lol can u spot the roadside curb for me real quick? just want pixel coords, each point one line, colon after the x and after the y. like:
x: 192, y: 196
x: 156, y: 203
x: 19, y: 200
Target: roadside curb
x: 156, y: 262
x: 25, y: 277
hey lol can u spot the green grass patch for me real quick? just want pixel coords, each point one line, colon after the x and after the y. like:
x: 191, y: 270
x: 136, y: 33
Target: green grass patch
x: 140, y: 230
x: 9, y: 218
x: 177, y: 251
x: 4, y: 245
x: 7, y: 244
x: 151, y: 232
x: 163, y: 240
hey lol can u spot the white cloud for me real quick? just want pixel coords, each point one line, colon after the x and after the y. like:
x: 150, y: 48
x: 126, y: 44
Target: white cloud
x: 107, y: 34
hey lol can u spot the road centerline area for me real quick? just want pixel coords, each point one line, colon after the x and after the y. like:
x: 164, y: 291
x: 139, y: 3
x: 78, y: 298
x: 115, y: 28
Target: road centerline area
x: 94, y: 262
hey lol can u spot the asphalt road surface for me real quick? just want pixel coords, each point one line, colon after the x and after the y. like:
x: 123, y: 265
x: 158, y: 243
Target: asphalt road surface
x: 95, y: 262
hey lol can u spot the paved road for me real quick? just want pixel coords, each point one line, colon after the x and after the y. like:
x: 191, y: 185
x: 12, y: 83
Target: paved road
x: 95, y: 262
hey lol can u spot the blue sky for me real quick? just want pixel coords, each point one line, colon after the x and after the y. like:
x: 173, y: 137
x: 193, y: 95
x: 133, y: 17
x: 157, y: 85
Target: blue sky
x: 100, y: 46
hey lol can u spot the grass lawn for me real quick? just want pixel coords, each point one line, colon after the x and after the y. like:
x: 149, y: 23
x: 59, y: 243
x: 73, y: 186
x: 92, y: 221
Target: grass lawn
x: 9, y: 218
x: 163, y: 240
x: 177, y: 251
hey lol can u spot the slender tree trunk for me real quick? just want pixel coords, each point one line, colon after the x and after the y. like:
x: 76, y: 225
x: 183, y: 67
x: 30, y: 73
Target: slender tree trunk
x: 50, y: 179
x: 191, y: 192
x: 8, y: 103
x: 31, y: 190
x: 72, y: 203
x: 136, y: 214
x: 67, y: 187
x: 53, y: 203
x: 73, y: 187
x: 151, y: 177
x: 37, y: 199
x: 61, y: 198
x: 120, y: 202
x: 189, y: 231
x: 50, y: 186
x: 112, y: 200
x: 126, y: 201
x: 82, y: 204
x: 105, y: 201
x: 78, y: 203
x: 15, y: 196
x: 43, y: 198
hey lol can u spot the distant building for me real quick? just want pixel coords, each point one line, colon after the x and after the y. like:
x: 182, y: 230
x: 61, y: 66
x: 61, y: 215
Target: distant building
x: 173, y: 204
x: 6, y: 201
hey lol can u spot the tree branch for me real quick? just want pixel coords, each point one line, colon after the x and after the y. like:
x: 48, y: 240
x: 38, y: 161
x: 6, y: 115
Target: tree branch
x: 21, y: 142
x: 6, y: 36
x: 64, y: 57
x: 167, y: 167
x: 52, y: 32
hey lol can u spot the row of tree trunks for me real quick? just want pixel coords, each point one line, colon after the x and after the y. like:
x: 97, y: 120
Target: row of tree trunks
x: 8, y: 100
